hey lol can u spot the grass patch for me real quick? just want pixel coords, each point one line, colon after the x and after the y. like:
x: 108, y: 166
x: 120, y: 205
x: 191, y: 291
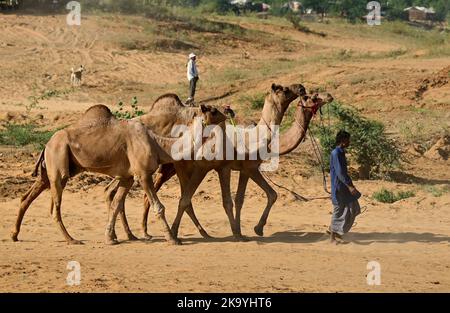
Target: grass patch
x: 436, y: 191
x: 386, y: 196
x: 23, y: 135
x: 157, y: 44
x: 255, y: 102
x: 33, y: 101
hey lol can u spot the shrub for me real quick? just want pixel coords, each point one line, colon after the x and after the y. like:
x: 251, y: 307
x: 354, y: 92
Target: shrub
x: 23, y: 135
x: 387, y: 196
x: 125, y: 114
x: 370, y: 146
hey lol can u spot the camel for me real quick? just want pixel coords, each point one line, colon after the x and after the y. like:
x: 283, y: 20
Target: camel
x: 251, y: 168
x: 306, y: 109
x: 191, y: 173
x: 166, y: 112
x: 100, y: 143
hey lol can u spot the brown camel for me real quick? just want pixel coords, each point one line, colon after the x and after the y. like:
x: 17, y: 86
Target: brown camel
x: 166, y: 112
x: 100, y: 143
x: 306, y: 109
x: 251, y: 168
x: 191, y: 173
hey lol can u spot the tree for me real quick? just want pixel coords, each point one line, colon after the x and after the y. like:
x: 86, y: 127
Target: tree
x: 320, y: 6
x: 371, y: 148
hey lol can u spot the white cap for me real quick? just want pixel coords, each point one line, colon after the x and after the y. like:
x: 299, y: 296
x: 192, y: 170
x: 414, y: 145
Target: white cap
x: 192, y: 55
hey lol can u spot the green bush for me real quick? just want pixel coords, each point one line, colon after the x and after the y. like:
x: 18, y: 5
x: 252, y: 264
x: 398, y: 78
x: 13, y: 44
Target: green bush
x: 387, y: 196
x: 370, y: 146
x: 23, y: 135
x: 123, y: 114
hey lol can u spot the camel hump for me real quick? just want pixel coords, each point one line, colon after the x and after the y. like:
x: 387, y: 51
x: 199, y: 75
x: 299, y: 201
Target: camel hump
x: 167, y: 100
x: 96, y: 116
x: 98, y: 111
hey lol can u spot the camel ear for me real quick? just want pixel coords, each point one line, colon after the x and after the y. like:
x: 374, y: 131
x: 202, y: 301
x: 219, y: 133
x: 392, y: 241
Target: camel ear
x: 203, y: 108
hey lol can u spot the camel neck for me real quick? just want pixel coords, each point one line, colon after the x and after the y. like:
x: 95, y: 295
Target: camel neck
x: 292, y: 138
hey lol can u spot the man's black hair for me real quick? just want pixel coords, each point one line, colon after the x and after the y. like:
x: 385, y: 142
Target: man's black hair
x: 341, y: 136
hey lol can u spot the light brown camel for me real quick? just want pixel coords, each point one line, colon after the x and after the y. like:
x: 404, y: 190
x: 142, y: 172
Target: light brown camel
x: 251, y: 168
x: 306, y: 109
x: 166, y: 112
x: 193, y: 172
x: 100, y: 143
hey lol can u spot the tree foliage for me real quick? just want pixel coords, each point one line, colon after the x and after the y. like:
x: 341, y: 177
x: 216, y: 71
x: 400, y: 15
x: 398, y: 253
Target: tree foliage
x: 350, y: 9
x: 370, y: 146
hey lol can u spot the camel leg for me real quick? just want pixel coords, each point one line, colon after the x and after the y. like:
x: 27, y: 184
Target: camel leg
x: 56, y: 187
x: 239, y: 200
x: 184, y: 181
x: 38, y: 187
x: 117, y: 205
x: 110, y: 192
x: 157, y: 207
x: 190, y: 212
x: 165, y: 172
x: 257, y: 177
x: 187, y: 192
x: 224, y: 178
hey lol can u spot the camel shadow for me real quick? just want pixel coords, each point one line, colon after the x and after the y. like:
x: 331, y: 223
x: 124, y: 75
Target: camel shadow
x: 315, y: 237
x: 403, y: 237
x: 406, y: 178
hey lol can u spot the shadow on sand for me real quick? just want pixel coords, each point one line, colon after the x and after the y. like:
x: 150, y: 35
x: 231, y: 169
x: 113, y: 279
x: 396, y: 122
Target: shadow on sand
x: 314, y: 237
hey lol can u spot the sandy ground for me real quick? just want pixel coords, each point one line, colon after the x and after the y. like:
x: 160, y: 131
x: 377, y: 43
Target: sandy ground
x: 410, y: 239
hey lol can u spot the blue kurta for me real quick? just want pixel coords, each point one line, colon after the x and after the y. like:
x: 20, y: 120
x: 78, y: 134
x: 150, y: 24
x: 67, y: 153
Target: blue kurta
x: 340, y: 194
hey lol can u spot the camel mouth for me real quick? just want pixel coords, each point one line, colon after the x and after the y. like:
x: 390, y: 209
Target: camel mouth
x: 298, y: 89
x: 229, y: 112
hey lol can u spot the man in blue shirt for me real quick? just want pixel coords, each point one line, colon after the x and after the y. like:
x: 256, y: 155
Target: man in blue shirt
x: 344, y: 195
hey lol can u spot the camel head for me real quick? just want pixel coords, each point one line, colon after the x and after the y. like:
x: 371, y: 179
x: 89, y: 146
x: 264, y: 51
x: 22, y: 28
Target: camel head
x: 282, y: 96
x: 279, y: 99
x: 211, y: 115
x: 315, y: 101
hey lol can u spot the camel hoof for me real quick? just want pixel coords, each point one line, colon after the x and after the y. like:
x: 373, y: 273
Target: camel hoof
x: 259, y: 231
x: 14, y: 237
x: 147, y: 237
x: 112, y: 242
x: 205, y: 235
x: 75, y: 242
x: 132, y: 238
x: 175, y: 242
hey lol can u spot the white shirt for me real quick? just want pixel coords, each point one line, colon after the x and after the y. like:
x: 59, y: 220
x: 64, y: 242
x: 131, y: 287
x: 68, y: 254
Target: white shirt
x: 192, y: 70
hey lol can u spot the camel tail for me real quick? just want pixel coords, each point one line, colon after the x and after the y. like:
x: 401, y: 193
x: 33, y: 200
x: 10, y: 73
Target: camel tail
x: 38, y: 164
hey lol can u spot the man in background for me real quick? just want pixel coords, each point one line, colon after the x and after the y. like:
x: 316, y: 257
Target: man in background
x: 192, y: 75
x: 344, y: 195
